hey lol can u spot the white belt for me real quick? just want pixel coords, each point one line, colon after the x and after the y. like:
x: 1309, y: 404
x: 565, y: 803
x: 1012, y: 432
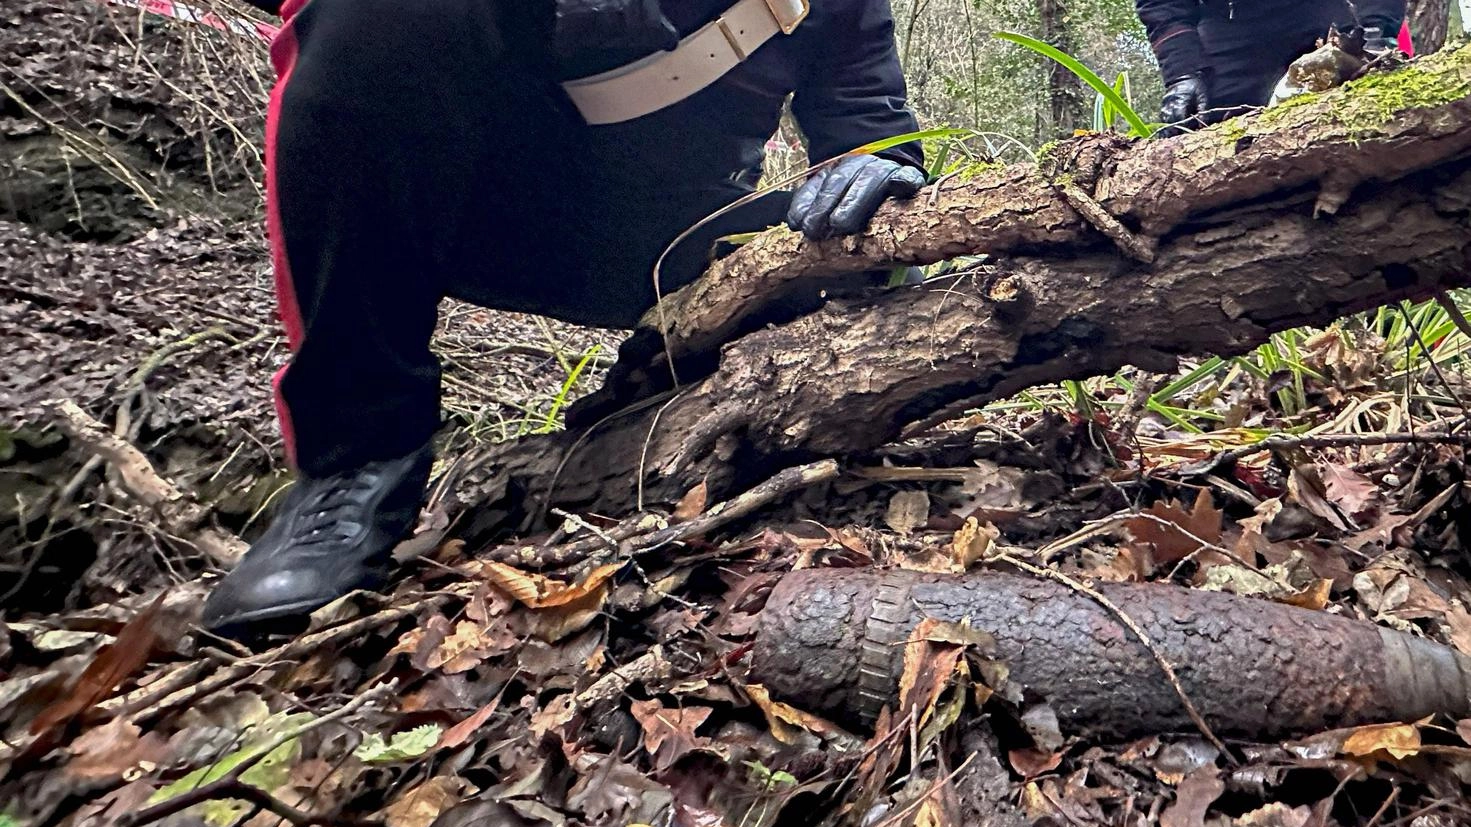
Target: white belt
x: 666, y: 78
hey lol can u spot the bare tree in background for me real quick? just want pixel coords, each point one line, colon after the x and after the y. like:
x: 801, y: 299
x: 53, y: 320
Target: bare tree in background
x: 1429, y: 21
x: 1064, y: 89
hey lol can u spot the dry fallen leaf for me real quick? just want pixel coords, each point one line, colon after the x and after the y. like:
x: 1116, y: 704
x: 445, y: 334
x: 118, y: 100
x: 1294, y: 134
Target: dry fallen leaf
x: 420, y: 806
x: 114, y: 664
x: 1382, y: 740
x: 1312, y: 596
x: 669, y: 732
x: 1354, y: 493
x: 113, y: 749
x: 1193, y: 797
x: 908, y: 510
x: 1168, y: 533
x: 929, y: 666
x: 462, y: 651
x: 563, y: 609
x: 692, y: 504
x: 538, y: 591
x: 1030, y: 763
x: 1458, y: 627
x: 786, y: 721
x: 461, y: 732
x: 971, y: 543
x: 1277, y: 814
x: 1307, y: 489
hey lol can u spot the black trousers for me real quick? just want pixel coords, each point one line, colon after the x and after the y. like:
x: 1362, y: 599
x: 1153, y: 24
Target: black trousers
x: 420, y: 150
x: 1249, y: 45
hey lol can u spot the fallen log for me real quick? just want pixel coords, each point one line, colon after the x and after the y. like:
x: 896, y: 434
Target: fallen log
x: 831, y: 641
x: 1379, y: 129
x: 1255, y: 226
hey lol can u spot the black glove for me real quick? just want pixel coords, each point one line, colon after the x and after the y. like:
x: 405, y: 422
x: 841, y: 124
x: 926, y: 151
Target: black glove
x: 584, y: 26
x: 840, y: 199
x: 1185, y: 99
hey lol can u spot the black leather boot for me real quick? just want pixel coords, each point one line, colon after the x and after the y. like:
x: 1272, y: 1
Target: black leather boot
x: 330, y: 537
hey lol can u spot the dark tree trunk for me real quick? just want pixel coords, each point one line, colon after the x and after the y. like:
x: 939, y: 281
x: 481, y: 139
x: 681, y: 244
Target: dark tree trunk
x: 1429, y: 21
x: 1064, y: 89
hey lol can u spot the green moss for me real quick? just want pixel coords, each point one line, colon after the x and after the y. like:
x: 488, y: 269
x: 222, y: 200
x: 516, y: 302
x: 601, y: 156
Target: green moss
x: 1233, y: 130
x: 1368, y: 103
x: 967, y: 170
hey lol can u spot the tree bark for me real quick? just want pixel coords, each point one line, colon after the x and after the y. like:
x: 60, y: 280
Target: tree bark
x: 1296, y: 217
x: 1429, y: 23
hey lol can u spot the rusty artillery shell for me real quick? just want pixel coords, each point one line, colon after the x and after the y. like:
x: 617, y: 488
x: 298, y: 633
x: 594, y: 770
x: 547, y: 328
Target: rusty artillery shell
x: 831, y: 640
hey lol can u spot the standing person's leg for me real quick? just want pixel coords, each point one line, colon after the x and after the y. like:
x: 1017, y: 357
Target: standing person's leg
x: 375, y: 128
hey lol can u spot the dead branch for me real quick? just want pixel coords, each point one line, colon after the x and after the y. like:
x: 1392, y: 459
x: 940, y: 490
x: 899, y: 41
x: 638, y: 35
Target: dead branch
x: 180, y: 515
x: 1445, y: 433
x: 1336, y: 142
x: 646, y: 532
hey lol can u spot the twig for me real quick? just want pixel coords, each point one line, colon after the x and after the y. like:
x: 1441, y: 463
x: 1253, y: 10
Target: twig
x: 180, y: 514
x: 1136, y: 247
x: 651, y: 665
x: 237, y: 789
x: 1277, y: 441
x: 1123, y: 617
x: 1452, y: 310
x: 156, y: 359
x: 567, y: 554
x: 938, y: 785
x: 1384, y: 808
x: 324, y: 640
x: 633, y: 535
x: 585, y: 526
x: 231, y: 785
x: 778, y: 486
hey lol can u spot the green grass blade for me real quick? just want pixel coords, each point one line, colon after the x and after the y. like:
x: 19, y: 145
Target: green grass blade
x: 550, y: 423
x: 1085, y: 74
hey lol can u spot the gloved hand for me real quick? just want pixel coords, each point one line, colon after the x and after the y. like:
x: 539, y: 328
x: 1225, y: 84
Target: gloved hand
x: 840, y: 199
x: 1185, y: 98
x: 584, y: 26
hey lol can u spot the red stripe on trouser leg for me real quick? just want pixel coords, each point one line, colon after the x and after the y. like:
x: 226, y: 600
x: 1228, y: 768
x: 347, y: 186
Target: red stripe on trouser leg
x: 283, y: 58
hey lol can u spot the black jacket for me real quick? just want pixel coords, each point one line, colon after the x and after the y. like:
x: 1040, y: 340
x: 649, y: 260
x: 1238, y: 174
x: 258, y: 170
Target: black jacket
x: 841, y: 65
x: 1176, y: 32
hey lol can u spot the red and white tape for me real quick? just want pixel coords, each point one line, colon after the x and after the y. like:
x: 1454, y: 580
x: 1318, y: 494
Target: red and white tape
x: 194, y: 14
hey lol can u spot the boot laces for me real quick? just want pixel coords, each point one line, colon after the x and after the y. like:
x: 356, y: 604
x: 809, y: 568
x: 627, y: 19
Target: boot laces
x: 332, y: 510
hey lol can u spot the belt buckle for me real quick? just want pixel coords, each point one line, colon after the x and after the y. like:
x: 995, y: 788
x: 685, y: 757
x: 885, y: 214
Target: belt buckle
x: 789, y: 13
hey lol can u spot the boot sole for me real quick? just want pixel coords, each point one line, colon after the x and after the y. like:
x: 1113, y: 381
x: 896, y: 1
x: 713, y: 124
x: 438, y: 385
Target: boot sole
x: 260, y: 622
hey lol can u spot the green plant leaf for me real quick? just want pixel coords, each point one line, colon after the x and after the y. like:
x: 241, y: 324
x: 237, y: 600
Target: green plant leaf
x: 403, y: 746
x: 268, y: 773
x: 1136, y: 123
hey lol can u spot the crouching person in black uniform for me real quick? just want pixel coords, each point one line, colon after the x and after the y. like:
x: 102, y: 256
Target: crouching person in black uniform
x: 531, y: 155
x: 1219, y: 57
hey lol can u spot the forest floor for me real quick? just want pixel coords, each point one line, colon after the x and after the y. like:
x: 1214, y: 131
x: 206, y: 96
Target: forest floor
x: 137, y: 286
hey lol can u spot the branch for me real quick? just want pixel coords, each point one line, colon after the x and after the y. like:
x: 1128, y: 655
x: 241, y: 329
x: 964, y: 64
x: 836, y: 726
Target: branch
x: 181, y: 515
x: 1332, y: 142
x: 626, y: 539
